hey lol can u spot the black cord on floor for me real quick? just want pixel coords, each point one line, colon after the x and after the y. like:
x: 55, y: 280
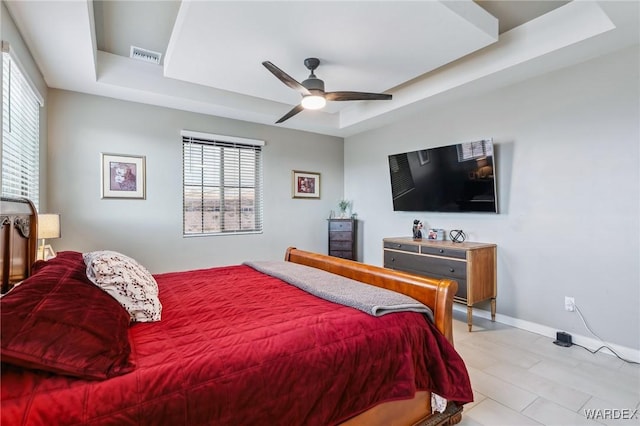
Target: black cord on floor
x: 610, y: 350
x: 599, y: 338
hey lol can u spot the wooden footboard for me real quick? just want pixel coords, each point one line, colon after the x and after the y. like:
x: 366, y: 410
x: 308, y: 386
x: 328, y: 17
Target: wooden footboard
x: 434, y: 292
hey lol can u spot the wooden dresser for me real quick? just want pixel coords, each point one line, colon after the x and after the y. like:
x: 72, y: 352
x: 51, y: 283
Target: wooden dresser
x: 472, y: 265
x: 342, y: 238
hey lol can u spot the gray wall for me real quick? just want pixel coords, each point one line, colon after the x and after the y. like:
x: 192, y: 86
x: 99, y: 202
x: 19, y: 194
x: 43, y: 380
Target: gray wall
x: 83, y: 126
x: 568, y: 188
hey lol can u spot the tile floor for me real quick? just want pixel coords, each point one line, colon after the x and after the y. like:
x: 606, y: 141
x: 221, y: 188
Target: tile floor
x: 522, y: 378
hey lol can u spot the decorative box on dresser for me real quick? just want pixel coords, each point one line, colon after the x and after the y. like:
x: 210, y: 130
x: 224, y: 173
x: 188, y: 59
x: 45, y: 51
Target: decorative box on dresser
x: 342, y: 238
x: 472, y: 265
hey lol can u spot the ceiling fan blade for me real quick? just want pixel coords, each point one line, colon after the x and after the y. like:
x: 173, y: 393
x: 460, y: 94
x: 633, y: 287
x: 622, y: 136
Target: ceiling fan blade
x: 291, y: 113
x: 286, y: 78
x: 356, y: 96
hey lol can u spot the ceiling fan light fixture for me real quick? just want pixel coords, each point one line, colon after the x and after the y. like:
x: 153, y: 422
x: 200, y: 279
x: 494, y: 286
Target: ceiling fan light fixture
x: 312, y: 90
x: 313, y: 102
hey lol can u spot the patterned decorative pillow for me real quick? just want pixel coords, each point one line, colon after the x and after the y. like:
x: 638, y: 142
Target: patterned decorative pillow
x: 127, y: 281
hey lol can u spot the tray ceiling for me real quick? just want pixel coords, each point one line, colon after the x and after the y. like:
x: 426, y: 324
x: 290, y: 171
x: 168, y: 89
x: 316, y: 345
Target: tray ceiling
x: 420, y: 51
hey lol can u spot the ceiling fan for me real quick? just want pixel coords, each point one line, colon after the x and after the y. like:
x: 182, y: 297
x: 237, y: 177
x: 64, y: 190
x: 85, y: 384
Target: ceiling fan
x: 312, y: 90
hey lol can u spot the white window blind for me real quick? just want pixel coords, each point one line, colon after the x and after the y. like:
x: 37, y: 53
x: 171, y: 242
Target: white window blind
x: 20, y: 133
x: 474, y: 150
x: 222, y: 184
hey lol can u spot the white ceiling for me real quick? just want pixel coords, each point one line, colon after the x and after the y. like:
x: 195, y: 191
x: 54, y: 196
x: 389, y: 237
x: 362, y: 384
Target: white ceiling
x: 422, y: 52
x: 222, y: 44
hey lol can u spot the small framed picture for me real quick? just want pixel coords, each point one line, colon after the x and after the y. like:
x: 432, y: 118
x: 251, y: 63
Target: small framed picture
x: 123, y: 176
x: 436, y: 234
x: 305, y: 184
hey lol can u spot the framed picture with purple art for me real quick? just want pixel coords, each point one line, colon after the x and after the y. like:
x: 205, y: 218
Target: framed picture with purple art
x: 123, y: 176
x: 305, y: 184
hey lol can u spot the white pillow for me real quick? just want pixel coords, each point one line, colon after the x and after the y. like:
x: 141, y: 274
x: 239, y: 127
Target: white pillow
x: 124, y: 279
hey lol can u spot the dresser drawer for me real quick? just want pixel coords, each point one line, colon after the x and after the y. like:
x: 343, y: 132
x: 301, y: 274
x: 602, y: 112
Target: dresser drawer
x: 339, y: 225
x: 345, y: 254
x: 399, y: 262
x: 426, y: 265
x: 447, y: 252
x: 340, y: 245
x: 412, y: 248
x: 340, y: 236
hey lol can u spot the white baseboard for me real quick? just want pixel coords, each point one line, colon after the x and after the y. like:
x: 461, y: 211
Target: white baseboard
x: 589, y: 342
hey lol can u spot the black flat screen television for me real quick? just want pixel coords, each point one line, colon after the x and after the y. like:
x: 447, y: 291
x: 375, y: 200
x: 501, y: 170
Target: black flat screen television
x: 453, y: 178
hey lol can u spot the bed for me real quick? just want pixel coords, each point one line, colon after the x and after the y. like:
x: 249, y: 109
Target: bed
x: 234, y: 345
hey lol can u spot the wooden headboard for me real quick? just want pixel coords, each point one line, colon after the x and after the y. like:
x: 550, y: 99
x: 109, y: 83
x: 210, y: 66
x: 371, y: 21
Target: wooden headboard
x: 18, y: 240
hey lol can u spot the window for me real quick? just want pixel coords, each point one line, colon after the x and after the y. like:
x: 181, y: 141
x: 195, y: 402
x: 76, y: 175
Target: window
x: 222, y: 184
x: 474, y: 150
x: 401, y: 178
x: 20, y: 131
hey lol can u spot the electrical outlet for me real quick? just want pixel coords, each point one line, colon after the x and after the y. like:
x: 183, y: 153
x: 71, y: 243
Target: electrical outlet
x: 569, y: 304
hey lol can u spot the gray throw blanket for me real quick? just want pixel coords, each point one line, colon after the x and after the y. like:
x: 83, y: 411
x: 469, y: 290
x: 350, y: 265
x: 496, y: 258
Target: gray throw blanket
x: 373, y: 300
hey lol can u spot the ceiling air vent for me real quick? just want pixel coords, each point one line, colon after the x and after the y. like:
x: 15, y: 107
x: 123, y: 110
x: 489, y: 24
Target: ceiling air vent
x: 145, y: 55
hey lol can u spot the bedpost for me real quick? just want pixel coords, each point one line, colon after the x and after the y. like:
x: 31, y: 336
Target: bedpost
x: 287, y: 254
x: 444, y: 307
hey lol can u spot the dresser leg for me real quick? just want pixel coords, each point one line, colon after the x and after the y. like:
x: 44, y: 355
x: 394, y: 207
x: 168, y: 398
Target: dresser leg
x: 469, y: 316
x: 493, y: 309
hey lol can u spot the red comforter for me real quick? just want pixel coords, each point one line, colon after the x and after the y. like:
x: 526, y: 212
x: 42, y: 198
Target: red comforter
x: 235, y: 346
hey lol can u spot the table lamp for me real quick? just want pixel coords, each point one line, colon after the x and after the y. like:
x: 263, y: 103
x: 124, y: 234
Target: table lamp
x: 48, y: 227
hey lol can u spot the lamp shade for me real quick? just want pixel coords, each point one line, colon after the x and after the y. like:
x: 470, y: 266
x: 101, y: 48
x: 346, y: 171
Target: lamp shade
x: 48, y: 226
